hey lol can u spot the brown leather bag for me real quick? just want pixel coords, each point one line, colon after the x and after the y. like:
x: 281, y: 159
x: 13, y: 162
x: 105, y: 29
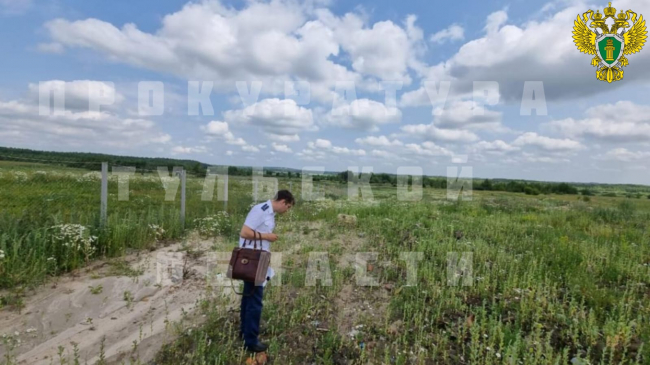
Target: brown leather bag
x: 249, y: 264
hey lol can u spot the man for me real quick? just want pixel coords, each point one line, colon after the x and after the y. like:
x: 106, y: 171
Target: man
x: 260, y: 219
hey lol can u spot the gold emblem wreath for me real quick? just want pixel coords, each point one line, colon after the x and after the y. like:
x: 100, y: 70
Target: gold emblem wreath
x: 633, y: 38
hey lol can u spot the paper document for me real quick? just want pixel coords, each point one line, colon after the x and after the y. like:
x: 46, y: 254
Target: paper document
x: 270, y: 273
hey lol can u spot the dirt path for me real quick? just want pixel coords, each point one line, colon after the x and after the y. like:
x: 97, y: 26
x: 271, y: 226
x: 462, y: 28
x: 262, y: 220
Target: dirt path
x: 132, y: 315
x: 130, y: 307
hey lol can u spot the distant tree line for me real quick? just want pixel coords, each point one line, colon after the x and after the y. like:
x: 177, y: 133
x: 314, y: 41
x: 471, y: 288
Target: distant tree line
x: 92, y: 161
x: 514, y: 186
x: 530, y: 188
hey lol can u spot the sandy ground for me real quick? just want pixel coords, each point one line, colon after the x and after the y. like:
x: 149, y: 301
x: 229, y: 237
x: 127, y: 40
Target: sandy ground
x: 145, y: 298
x: 133, y: 314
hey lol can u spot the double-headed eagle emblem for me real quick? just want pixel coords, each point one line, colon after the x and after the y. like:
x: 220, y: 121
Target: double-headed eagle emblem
x: 610, y: 43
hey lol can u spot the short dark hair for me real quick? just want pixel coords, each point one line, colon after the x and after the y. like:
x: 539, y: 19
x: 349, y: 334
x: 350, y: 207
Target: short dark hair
x: 286, y: 196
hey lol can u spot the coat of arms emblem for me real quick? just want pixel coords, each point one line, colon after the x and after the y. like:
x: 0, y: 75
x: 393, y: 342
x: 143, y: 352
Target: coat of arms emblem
x: 609, y: 43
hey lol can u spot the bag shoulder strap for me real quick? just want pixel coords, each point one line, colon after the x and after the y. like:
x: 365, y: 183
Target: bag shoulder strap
x: 248, y: 241
x: 255, y: 233
x: 254, y: 240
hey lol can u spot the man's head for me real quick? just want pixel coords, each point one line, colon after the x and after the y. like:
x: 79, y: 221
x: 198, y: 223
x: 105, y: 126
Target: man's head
x: 283, y: 201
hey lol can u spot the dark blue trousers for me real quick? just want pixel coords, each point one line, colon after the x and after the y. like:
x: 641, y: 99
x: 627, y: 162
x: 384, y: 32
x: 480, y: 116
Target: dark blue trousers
x: 251, y: 312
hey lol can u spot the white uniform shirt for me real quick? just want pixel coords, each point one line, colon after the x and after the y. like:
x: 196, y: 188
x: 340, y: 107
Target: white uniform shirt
x: 261, y: 218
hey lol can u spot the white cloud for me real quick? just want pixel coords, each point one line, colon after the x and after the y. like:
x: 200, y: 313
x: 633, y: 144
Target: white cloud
x: 495, y: 21
x: 461, y: 114
x: 540, y: 49
x: 348, y: 151
x: 236, y: 141
x: 429, y: 131
x: 497, y: 147
x: 320, y: 143
x: 284, y: 138
x: 317, y: 148
x: 620, y: 122
x: 281, y: 148
x: 453, y: 33
x: 209, y: 41
x: 621, y: 111
x: 428, y: 149
x: 249, y: 148
x: 312, y: 155
x: 362, y: 114
x: 603, y: 130
x: 275, y: 116
x: 382, y: 141
x: 21, y: 123
x: 395, y: 150
x: 532, y: 158
x: 383, y: 154
x: 177, y: 150
x: 546, y: 143
x: 77, y: 93
x: 384, y: 50
x: 217, y: 128
x: 221, y: 130
x: 623, y: 155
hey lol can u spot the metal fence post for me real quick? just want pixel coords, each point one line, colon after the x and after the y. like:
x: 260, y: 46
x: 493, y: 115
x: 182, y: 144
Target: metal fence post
x: 104, y: 195
x: 183, y: 199
x: 225, y: 193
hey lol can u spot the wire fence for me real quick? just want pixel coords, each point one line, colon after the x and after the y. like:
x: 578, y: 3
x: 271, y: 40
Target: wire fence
x: 55, y: 218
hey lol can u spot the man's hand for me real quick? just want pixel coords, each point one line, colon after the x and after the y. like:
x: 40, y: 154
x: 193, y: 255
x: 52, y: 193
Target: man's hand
x: 271, y: 237
x: 248, y: 234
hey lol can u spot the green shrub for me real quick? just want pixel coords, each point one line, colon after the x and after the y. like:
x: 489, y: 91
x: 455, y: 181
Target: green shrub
x: 528, y: 190
x: 586, y: 192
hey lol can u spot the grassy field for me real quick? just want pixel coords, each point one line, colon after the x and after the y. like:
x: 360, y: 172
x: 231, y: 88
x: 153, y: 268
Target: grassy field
x: 38, y: 199
x: 555, y: 279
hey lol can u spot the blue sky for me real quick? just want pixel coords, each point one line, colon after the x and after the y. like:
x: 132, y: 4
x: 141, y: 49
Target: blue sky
x: 593, y: 131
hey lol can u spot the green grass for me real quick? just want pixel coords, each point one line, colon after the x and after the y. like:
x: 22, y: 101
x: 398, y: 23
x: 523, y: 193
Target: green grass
x: 35, y: 201
x: 555, y: 278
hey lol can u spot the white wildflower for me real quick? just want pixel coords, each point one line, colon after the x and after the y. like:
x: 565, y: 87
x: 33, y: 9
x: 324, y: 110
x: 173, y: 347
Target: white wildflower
x: 90, y: 177
x: 20, y: 176
x: 74, y: 236
x: 214, y: 225
x: 158, y: 231
x: 2, y: 254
